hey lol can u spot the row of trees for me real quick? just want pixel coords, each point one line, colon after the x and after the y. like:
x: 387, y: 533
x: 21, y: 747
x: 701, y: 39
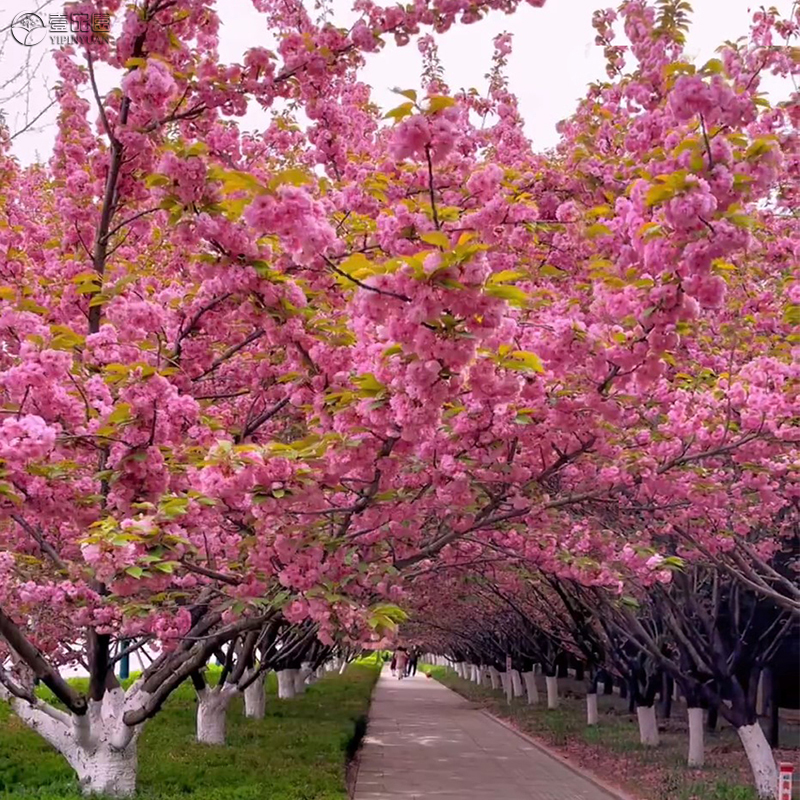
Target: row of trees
x: 285, y: 381
x: 701, y: 632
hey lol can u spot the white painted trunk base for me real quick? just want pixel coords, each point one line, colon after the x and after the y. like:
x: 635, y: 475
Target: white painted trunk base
x: 516, y: 683
x: 648, y: 726
x: 494, y: 678
x: 531, y: 688
x: 285, y: 684
x: 108, y: 771
x: 98, y: 745
x: 592, y: 717
x: 300, y: 680
x: 255, y: 699
x: 212, y: 713
x: 762, y: 760
x: 551, y: 682
x: 696, y: 745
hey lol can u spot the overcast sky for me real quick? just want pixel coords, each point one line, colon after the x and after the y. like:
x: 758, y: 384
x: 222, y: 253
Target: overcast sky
x: 554, y: 59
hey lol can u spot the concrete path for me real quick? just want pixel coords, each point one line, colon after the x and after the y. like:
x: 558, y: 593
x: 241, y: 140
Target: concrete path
x: 425, y: 742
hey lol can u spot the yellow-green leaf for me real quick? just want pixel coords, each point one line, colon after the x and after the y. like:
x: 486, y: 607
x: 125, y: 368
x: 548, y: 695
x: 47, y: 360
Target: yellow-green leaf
x: 437, y: 239
x: 438, y: 102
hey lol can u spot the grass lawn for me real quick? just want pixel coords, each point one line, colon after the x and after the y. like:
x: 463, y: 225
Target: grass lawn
x: 611, y: 750
x: 298, y: 752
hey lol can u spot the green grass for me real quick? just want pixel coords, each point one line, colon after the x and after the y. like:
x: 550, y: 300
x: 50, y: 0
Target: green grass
x: 298, y: 752
x: 612, y: 750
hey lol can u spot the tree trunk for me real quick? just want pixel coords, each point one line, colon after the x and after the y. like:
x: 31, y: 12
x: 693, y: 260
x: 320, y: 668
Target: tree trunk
x: 771, y: 688
x: 579, y: 671
x: 591, y: 708
x: 608, y: 684
x: 97, y: 745
x: 531, y: 688
x: 711, y: 719
x: 255, y: 699
x: 516, y: 683
x: 762, y: 760
x: 504, y: 679
x: 667, y: 685
x: 212, y: 713
x: 551, y: 682
x: 300, y: 680
x: 487, y: 678
x: 696, y: 746
x: 108, y: 771
x: 494, y: 677
x: 285, y: 684
x: 648, y: 727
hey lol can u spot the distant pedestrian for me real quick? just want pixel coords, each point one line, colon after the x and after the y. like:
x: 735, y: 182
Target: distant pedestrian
x: 393, y: 665
x: 402, y: 659
x: 412, y: 663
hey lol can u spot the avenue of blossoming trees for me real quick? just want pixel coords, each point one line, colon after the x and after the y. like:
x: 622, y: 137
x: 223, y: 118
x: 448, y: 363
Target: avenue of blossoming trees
x: 260, y: 389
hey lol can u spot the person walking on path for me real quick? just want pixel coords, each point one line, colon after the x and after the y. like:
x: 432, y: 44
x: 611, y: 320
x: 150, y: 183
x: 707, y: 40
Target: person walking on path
x: 402, y: 659
x: 393, y: 665
x: 411, y: 669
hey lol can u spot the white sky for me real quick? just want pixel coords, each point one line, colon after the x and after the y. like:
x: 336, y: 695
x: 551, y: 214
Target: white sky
x: 554, y: 59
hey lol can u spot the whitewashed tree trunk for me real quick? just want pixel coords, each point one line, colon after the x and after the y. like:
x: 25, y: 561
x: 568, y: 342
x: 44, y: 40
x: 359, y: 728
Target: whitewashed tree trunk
x: 212, y: 713
x: 343, y: 666
x: 487, y: 677
x: 300, y: 680
x: 696, y: 747
x: 648, y: 726
x: 531, y: 688
x: 591, y: 708
x: 762, y: 760
x: 551, y: 682
x: 98, y: 745
x: 516, y: 683
x: 255, y: 699
x: 494, y: 678
x: 476, y: 674
x: 285, y: 684
x: 504, y: 679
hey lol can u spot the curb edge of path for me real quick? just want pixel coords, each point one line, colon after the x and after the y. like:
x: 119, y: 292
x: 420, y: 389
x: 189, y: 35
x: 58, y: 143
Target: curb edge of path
x: 611, y: 791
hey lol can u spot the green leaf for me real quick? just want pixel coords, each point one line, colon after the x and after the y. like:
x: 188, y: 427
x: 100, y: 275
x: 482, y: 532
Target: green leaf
x: 401, y: 112
x: 598, y: 229
x: 157, y: 180
x: 438, y: 102
x: 514, y: 296
x: 713, y: 67
x: 293, y: 177
x: 528, y: 360
x: 506, y: 276
x: 135, y: 572
x: 409, y: 93
x: 437, y: 239
x: 122, y: 413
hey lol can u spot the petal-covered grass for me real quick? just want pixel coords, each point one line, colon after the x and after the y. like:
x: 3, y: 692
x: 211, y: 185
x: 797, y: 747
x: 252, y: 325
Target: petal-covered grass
x: 612, y: 752
x: 298, y: 752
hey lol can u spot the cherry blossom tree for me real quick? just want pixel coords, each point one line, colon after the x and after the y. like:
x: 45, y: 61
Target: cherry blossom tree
x: 283, y: 376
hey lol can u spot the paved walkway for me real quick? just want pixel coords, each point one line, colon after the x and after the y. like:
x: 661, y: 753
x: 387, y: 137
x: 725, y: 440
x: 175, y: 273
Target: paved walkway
x: 425, y: 742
